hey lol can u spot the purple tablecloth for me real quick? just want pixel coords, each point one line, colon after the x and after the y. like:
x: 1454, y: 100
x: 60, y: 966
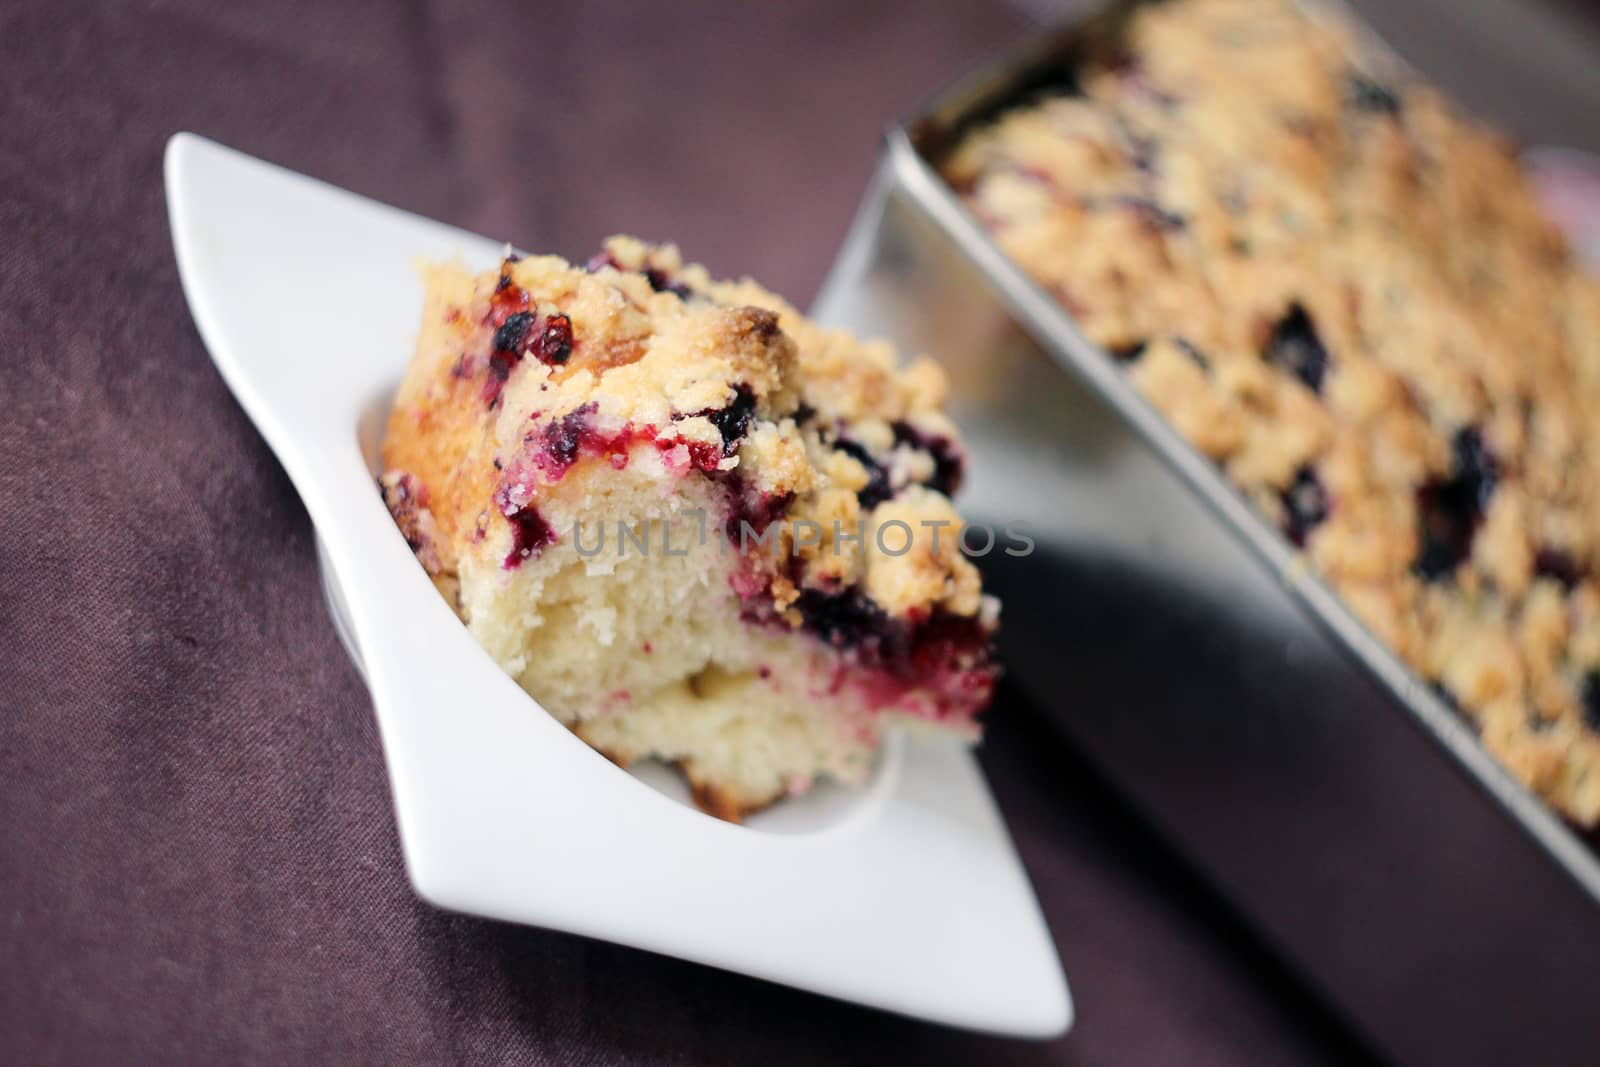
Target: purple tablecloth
x: 198, y: 859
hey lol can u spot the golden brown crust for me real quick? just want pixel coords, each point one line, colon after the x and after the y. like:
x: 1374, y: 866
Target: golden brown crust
x: 436, y: 431
x: 1343, y: 292
x: 724, y: 803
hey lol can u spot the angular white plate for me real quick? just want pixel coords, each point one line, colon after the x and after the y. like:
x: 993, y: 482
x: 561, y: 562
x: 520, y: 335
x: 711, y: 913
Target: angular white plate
x: 906, y: 896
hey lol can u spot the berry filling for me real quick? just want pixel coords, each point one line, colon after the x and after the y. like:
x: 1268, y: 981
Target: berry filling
x: 1130, y: 70
x: 1589, y: 694
x: 1143, y: 152
x: 518, y: 330
x: 510, y: 315
x: 548, y: 338
x: 702, y: 455
x: 945, y: 654
x: 530, y: 533
x: 1190, y: 349
x: 877, y: 490
x: 1295, y: 347
x: 659, y: 279
x: 1305, y: 505
x: 512, y: 335
x: 733, y: 421
x: 1559, y: 565
x: 662, y: 283
x: 1449, y: 511
x: 948, y: 462
x: 508, y: 299
x: 1365, y: 94
x: 407, y: 500
x: 562, y: 441
x: 553, y: 344
x: 751, y: 509
x: 1152, y: 214
x: 555, y: 448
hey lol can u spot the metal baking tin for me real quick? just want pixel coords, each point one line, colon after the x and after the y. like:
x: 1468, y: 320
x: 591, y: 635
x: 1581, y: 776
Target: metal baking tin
x: 1183, y: 645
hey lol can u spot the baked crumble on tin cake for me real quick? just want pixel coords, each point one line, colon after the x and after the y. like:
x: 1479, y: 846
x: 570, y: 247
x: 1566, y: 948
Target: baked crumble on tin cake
x: 1342, y: 291
x: 692, y: 524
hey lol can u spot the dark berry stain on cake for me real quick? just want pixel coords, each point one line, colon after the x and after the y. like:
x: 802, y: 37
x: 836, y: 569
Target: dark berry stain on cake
x: 948, y: 463
x: 554, y: 341
x: 557, y: 445
x: 843, y: 620
x: 407, y: 500
x: 1449, y: 511
x: 548, y: 338
x: 1143, y: 152
x: 751, y: 509
x: 910, y: 651
x: 1152, y: 214
x: 1305, y: 506
x: 512, y: 335
x: 659, y: 280
x: 733, y: 421
x: 1558, y: 565
x: 1589, y: 696
x: 562, y: 441
x: 1365, y: 94
x: 530, y: 533
x: 402, y: 491
x: 510, y: 316
x: 662, y: 283
x: 1190, y: 349
x: 508, y: 299
x: 703, y: 456
x: 519, y: 329
x: 1295, y: 347
x: 1130, y: 70
x: 877, y: 490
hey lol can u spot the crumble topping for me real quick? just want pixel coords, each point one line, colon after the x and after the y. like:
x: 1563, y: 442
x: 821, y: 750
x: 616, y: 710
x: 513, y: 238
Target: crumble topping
x: 1343, y: 292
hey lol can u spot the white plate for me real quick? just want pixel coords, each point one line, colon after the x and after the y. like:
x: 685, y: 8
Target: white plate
x: 906, y: 896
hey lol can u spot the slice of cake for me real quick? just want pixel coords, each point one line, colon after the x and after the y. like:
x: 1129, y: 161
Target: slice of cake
x: 693, y: 525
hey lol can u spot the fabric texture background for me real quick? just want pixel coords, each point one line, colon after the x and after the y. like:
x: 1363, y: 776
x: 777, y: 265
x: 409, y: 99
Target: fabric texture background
x: 198, y: 858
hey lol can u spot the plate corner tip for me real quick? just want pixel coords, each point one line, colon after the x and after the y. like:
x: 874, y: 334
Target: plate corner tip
x: 178, y: 145
x: 1058, y: 1014
x: 1063, y: 1022
x: 428, y: 883
x: 1052, y: 1025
